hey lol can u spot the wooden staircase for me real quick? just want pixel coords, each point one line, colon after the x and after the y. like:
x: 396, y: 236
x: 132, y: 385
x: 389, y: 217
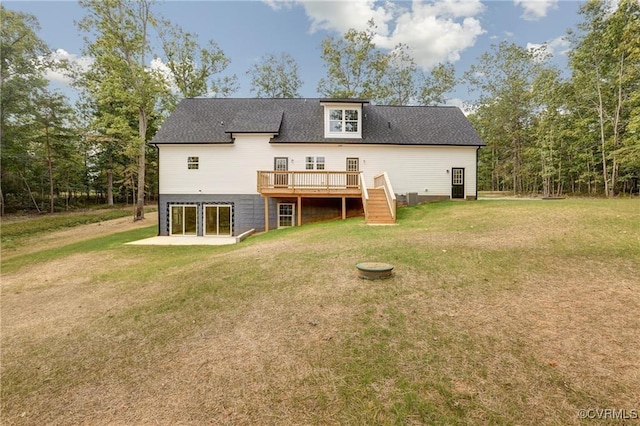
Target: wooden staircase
x: 378, y: 212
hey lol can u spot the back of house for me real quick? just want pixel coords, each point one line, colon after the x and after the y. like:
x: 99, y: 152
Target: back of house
x: 228, y: 166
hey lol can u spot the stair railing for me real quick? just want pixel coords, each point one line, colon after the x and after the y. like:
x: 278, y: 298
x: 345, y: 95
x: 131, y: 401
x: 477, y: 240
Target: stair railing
x: 365, y: 195
x: 382, y: 180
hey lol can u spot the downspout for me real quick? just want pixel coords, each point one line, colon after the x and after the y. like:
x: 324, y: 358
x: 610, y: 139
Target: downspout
x: 158, y: 213
x: 477, y: 174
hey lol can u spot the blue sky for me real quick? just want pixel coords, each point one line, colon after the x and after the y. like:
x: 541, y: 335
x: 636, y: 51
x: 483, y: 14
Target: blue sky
x: 458, y: 31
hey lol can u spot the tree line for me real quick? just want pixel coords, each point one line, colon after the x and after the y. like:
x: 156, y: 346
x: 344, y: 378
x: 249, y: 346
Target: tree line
x: 545, y: 133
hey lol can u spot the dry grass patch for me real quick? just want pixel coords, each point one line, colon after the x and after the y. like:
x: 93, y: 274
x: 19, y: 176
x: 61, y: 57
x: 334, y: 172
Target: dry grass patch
x: 499, y: 313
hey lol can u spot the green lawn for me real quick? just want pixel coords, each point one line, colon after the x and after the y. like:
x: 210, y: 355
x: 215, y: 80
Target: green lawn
x: 499, y: 312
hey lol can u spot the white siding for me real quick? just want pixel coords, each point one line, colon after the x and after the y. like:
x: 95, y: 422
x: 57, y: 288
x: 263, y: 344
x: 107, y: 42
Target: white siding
x: 231, y: 169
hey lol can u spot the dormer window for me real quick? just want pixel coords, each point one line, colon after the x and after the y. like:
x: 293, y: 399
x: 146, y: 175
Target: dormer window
x: 343, y: 118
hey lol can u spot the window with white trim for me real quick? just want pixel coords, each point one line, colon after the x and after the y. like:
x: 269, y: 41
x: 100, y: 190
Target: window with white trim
x: 316, y: 163
x: 342, y: 121
x: 286, y: 215
x: 193, y: 163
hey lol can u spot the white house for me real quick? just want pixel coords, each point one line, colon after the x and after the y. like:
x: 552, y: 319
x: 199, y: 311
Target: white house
x: 227, y: 166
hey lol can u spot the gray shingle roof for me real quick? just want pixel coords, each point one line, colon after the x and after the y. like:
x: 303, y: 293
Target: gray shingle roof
x: 213, y: 120
x: 263, y: 121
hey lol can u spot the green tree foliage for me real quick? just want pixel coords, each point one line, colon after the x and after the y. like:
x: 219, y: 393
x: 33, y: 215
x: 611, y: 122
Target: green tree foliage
x: 21, y: 76
x: 398, y: 86
x: 275, y: 77
x: 436, y: 84
x: 125, y: 97
x: 504, y: 78
x: 355, y: 68
x: 606, y: 81
x: 192, y: 67
x: 120, y: 47
x: 547, y: 130
x: 579, y: 135
x: 54, y: 140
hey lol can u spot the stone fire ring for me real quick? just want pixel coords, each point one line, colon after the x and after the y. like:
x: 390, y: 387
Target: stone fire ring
x: 374, y: 270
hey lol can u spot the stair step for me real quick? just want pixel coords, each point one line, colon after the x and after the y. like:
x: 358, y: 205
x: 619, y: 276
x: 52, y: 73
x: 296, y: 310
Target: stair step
x: 378, y: 208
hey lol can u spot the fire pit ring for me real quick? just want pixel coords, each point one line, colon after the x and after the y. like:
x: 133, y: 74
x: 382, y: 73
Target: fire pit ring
x: 374, y: 270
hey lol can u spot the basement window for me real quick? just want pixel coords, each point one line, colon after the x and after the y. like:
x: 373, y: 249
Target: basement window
x: 193, y: 163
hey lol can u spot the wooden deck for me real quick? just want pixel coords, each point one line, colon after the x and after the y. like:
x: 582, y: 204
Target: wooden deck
x: 379, y: 203
x: 309, y: 184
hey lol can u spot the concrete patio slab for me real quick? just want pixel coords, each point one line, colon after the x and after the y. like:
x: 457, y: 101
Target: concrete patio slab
x: 188, y: 240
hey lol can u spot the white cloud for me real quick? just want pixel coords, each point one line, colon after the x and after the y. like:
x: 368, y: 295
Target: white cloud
x: 536, y: 9
x: 432, y: 32
x: 342, y: 16
x: 158, y: 65
x: 466, y: 107
x: 557, y: 46
x: 60, y: 57
x: 280, y: 4
x: 435, y: 32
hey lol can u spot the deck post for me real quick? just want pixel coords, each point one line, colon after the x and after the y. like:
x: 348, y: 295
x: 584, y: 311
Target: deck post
x: 344, y: 208
x: 266, y: 214
x: 299, y: 211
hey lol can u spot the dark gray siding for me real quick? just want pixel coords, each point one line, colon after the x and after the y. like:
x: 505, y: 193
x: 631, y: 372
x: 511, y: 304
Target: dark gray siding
x: 248, y: 210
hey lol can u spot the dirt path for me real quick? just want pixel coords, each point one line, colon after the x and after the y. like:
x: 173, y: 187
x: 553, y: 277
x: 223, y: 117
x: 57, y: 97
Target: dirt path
x: 80, y: 233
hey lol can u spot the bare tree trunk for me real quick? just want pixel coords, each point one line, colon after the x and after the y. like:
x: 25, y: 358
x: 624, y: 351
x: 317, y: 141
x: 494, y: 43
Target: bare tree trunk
x: 50, y: 170
x: 616, y: 128
x: 142, y: 130
x: 110, y: 179
x: 1, y: 201
x: 35, y: 203
x: 603, y: 139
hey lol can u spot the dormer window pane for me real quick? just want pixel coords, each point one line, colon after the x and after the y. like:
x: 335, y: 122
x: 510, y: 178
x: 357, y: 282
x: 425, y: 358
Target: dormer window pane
x: 336, y: 126
x: 351, y: 120
x: 335, y: 120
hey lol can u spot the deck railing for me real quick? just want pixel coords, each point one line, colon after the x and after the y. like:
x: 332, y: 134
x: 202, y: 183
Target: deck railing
x: 300, y: 181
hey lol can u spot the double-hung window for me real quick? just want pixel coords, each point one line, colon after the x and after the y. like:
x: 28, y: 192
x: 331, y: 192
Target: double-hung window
x: 309, y: 163
x: 193, y: 163
x: 316, y: 163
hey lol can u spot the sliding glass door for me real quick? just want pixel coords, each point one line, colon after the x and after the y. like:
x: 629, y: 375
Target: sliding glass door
x: 184, y: 220
x: 217, y: 220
